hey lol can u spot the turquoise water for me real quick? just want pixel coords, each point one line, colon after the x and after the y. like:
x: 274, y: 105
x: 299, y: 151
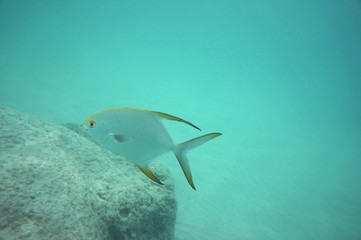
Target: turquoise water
x: 280, y: 79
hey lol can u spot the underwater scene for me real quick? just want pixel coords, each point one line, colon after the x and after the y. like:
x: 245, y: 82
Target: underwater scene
x: 184, y: 120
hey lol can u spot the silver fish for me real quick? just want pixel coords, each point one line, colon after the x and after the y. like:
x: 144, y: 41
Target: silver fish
x: 139, y: 136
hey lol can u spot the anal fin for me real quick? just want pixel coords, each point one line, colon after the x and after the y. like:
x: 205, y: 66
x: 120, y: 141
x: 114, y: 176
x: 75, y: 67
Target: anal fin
x: 146, y: 170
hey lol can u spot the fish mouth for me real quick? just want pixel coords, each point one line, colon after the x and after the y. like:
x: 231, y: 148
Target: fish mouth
x: 85, y: 128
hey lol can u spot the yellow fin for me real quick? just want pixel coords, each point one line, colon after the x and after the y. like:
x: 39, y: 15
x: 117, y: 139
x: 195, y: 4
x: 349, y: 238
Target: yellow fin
x: 195, y: 142
x: 181, y: 156
x: 173, y: 118
x: 159, y: 114
x: 149, y: 173
x: 183, y: 161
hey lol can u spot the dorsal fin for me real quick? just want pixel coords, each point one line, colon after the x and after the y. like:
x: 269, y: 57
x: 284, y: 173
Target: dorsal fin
x: 173, y: 118
x: 159, y: 114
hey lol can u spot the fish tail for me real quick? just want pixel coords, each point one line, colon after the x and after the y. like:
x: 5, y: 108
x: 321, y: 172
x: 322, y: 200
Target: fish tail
x: 182, y: 149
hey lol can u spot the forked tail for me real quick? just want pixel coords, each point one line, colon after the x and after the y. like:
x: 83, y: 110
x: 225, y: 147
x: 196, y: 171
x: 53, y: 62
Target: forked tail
x: 182, y: 149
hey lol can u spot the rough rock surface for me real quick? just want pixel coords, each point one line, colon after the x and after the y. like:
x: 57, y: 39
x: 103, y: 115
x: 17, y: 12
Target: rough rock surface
x: 55, y: 183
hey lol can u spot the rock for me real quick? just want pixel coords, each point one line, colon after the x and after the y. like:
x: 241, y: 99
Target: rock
x: 55, y: 183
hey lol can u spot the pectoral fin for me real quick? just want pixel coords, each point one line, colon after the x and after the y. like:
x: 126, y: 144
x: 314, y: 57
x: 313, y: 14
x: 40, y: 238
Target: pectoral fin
x: 146, y: 170
x: 120, y: 138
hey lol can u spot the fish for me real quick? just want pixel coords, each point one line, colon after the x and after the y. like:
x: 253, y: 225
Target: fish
x: 140, y: 137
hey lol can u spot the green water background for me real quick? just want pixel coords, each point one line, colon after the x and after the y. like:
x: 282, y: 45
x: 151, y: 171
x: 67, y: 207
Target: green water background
x: 280, y: 79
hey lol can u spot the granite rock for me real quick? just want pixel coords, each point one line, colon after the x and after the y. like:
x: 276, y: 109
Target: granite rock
x: 56, y: 183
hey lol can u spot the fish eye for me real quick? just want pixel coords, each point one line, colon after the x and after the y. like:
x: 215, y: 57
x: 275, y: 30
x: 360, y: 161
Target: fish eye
x: 92, y: 124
